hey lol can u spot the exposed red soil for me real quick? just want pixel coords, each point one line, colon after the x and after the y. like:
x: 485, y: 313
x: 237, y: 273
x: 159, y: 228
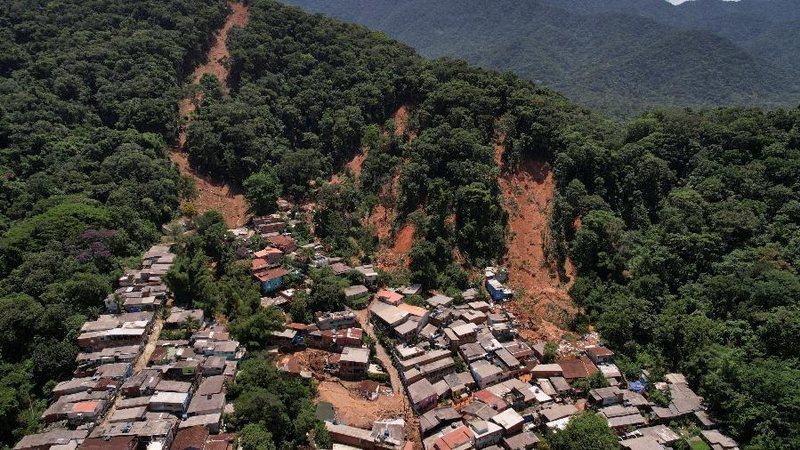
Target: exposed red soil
x: 212, y: 194
x: 353, y: 166
x: 401, y: 122
x: 543, y: 303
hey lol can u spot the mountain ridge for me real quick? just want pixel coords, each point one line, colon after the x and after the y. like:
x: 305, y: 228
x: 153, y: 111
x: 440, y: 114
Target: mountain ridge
x: 562, y: 44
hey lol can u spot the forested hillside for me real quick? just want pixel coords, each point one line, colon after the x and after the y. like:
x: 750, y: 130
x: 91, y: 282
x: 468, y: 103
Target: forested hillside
x: 88, y: 103
x: 686, y: 242
x: 687, y: 255
x: 619, y: 56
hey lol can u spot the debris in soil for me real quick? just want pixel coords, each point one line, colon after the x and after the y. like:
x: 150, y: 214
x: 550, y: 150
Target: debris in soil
x: 542, y: 304
x: 353, y: 409
x: 211, y: 194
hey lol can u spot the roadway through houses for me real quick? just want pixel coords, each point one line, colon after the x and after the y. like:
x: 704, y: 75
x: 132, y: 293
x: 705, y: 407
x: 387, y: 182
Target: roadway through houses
x: 380, y: 352
x: 141, y: 363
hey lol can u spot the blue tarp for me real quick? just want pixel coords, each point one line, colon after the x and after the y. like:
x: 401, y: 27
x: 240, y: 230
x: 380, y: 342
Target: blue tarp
x: 637, y: 386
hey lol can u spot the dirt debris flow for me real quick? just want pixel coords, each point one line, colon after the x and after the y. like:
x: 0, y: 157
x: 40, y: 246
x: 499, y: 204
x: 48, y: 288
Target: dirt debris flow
x: 543, y: 300
x: 212, y: 194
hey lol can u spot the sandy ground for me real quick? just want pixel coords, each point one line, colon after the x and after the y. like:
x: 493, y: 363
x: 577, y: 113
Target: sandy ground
x: 543, y: 303
x: 353, y: 409
x: 212, y: 194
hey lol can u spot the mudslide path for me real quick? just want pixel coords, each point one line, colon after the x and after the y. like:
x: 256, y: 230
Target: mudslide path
x: 543, y: 302
x: 212, y: 194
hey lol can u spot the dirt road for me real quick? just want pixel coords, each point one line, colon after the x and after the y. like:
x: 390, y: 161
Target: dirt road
x: 141, y: 363
x: 380, y: 352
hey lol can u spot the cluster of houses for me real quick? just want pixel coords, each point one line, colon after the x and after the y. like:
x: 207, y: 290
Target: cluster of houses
x: 133, y: 391
x: 474, y: 384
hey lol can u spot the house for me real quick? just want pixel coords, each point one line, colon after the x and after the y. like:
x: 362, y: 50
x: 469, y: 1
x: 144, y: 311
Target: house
x: 171, y: 402
x: 339, y: 268
x: 86, y: 411
x: 461, y: 333
x: 424, y: 358
x: 156, y: 432
x: 114, y: 371
x: 338, y: 319
x: 75, y: 385
x: 641, y: 443
x: 521, y: 441
x: 510, y: 421
x: 129, y: 414
x: 389, y: 297
x: 519, y: 350
x: 211, y: 385
x: 485, y: 373
x: 403, y: 351
x: 270, y: 255
x: 54, y: 437
x: 190, y: 438
x: 508, y: 359
x: 407, y: 330
x: 368, y: 274
x: 114, y: 443
x: 421, y: 314
x: 387, y: 316
x: 439, y: 300
x: 206, y: 404
x: 458, y: 439
x: 478, y: 409
x: 353, y: 363
x: 497, y: 290
x: 718, y: 441
x: 356, y: 292
x: 626, y: 422
x: 606, y: 396
x: 485, y: 433
x: 336, y: 340
x: 546, y: 371
x: 210, y: 421
x: 271, y: 279
x: 179, y: 316
x: 599, y: 354
x: 422, y: 395
x: 213, y: 365
x: 143, y: 383
x: 283, y: 243
x: 437, y: 418
x: 433, y: 371
x: 575, y: 368
x: 489, y: 398
x: 472, y: 351
x: 99, y: 340
x: 174, y: 386
x: 556, y: 412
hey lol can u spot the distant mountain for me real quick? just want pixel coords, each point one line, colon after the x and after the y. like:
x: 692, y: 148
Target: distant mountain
x: 621, y: 56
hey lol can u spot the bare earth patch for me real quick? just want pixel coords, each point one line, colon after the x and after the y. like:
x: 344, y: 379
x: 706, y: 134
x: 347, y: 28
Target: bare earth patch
x: 543, y: 302
x: 212, y: 194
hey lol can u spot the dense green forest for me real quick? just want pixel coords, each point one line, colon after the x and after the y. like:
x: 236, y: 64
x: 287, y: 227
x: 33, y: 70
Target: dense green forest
x: 687, y: 254
x: 619, y: 56
x: 88, y: 103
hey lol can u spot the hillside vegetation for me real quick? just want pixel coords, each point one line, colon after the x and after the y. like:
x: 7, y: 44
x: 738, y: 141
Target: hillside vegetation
x: 687, y: 244
x: 620, y: 56
x: 88, y: 101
